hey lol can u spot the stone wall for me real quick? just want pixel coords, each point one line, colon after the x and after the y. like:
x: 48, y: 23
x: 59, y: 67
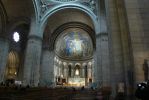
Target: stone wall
x: 137, y: 20
x: 115, y: 44
x: 144, y: 14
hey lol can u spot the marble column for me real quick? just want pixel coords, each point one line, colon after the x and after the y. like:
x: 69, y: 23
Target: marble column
x: 4, y: 47
x: 32, y: 61
x: 83, y: 72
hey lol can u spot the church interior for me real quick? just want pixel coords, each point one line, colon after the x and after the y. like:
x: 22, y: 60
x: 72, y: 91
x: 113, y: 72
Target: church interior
x: 97, y: 46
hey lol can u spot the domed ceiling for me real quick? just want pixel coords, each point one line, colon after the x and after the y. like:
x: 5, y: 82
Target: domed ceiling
x: 73, y: 44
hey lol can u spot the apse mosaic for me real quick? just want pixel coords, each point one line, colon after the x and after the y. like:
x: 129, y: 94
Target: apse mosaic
x: 75, y: 45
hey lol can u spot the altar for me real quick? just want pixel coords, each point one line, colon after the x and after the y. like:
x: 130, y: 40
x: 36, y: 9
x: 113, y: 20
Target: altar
x: 76, y: 82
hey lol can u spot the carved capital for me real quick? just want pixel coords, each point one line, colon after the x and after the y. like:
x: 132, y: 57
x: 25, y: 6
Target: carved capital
x: 34, y: 37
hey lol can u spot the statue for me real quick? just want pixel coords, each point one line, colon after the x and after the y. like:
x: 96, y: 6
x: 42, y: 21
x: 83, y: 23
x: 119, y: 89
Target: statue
x: 145, y: 69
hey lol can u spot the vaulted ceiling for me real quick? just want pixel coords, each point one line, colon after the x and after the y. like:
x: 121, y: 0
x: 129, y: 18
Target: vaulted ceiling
x: 18, y: 8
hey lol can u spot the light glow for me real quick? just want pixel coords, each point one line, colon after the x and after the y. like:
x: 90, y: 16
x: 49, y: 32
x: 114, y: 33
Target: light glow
x: 77, y: 72
x: 16, y: 37
x: 77, y: 44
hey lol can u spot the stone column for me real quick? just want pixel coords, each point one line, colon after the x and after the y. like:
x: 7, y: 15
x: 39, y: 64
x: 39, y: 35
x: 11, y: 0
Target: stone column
x: 89, y: 72
x: 47, y: 68
x: 32, y: 61
x: 59, y: 70
x: 83, y: 72
x: 92, y: 69
x: 62, y: 70
x: 148, y: 68
x: 65, y: 71
x: 56, y: 74
x: 55, y: 70
x: 4, y: 47
x: 72, y: 72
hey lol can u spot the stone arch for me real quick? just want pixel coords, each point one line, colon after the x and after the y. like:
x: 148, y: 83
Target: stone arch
x: 12, y: 65
x: 21, y: 26
x: 77, y: 69
x: 84, y: 64
x: 87, y: 25
x: 65, y: 64
x: 79, y: 7
x: 77, y: 64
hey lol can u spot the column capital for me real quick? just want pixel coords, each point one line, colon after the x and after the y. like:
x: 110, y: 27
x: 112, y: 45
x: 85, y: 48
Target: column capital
x: 34, y: 37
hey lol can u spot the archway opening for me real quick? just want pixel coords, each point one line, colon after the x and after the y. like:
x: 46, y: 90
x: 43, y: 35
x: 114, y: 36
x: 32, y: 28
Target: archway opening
x: 12, y: 67
x: 73, y: 48
x: 57, y: 24
x: 15, y: 62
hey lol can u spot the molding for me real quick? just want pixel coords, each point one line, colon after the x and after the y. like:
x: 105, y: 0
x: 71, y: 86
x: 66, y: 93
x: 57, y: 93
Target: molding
x: 102, y: 35
x: 34, y: 37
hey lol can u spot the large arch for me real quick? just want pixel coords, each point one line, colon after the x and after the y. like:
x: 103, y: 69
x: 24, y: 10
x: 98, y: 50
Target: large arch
x: 87, y: 25
x: 12, y: 65
x: 69, y: 6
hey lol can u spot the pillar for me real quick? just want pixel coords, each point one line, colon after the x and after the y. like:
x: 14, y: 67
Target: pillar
x: 83, y: 72
x: 59, y: 69
x: 4, y: 47
x: 65, y: 71
x: 32, y: 61
x: 47, y: 68
x: 72, y: 71
x: 89, y: 72
x: 93, y: 77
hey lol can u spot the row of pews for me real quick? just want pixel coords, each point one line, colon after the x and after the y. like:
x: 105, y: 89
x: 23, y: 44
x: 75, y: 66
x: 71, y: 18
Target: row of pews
x: 13, y: 93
